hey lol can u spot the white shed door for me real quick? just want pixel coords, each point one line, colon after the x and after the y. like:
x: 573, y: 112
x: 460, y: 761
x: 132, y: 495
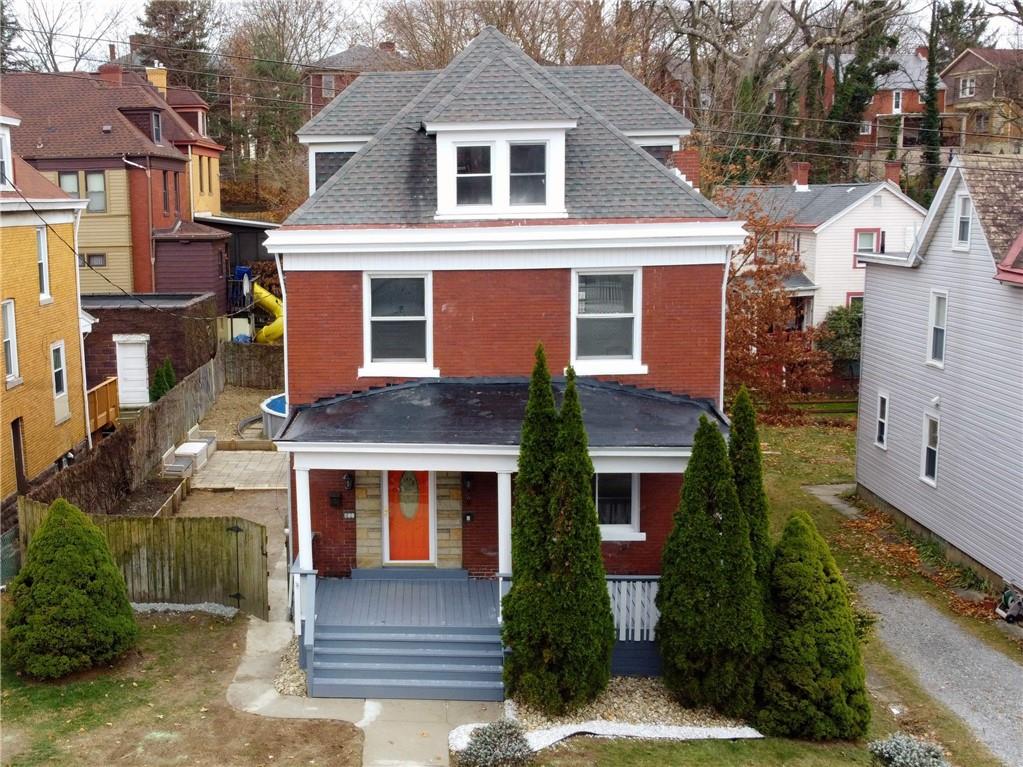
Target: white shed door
x: 132, y: 370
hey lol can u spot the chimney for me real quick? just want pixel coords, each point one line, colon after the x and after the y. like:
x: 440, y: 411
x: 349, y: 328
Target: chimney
x: 801, y: 174
x: 111, y: 73
x: 893, y: 172
x: 157, y: 77
x: 922, y: 52
x: 387, y: 46
x: 687, y: 162
x: 113, y: 51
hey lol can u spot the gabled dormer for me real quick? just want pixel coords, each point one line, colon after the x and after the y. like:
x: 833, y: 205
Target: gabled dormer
x: 500, y: 137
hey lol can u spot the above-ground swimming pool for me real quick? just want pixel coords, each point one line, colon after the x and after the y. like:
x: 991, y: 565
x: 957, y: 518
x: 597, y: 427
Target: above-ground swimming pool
x: 275, y: 411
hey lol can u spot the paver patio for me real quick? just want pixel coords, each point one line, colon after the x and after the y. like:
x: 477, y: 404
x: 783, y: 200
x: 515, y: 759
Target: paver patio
x: 243, y: 470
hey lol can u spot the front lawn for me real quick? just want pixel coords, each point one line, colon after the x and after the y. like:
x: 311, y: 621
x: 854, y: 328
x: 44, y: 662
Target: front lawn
x: 795, y: 456
x: 163, y: 704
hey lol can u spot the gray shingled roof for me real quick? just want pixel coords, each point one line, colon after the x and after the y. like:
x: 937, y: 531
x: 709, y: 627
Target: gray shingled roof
x: 392, y: 179
x: 375, y: 97
x: 910, y: 73
x: 359, y: 58
x: 810, y: 207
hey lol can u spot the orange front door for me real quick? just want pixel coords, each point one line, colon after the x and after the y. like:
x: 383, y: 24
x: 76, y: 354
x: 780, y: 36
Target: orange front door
x: 408, y: 516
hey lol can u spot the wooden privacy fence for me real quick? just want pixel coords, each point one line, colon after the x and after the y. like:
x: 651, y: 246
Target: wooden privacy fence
x: 182, y: 560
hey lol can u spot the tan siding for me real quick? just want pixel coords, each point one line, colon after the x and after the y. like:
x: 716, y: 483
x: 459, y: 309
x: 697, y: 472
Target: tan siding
x: 117, y: 270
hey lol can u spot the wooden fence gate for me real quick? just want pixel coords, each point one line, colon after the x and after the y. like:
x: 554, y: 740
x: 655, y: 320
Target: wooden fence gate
x: 181, y: 560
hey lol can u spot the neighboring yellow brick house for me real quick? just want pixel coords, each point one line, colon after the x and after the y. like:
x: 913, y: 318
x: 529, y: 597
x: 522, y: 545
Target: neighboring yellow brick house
x: 42, y: 400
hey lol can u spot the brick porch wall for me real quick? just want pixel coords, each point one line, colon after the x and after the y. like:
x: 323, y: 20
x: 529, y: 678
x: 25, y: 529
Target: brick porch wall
x: 479, y: 537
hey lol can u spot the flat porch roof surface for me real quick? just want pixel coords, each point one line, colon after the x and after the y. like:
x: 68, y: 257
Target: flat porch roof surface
x: 489, y: 411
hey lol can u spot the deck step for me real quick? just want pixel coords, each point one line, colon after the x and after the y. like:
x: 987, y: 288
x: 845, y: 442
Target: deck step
x: 410, y: 655
x: 406, y: 642
x: 420, y: 689
x: 389, y: 629
x: 323, y: 671
x: 408, y: 574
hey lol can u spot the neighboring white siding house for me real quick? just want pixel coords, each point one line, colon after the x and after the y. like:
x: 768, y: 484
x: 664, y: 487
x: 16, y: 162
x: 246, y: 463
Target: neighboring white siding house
x: 940, y: 430
x: 827, y: 221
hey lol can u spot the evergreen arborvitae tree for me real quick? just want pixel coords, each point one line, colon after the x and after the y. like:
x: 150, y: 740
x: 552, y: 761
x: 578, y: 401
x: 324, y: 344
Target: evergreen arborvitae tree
x: 580, y: 624
x: 524, y: 607
x: 930, y: 125
x: 711, y: 630
x: 744, y: 455
x: 69, y: 606
x: 13, y: 57
x: 956, y: 26
x: 813, y: 683
x: 169, y: 378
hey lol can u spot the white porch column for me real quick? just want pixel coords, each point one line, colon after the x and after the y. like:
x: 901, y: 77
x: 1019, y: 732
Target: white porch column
x: 305, y: 525
x: 504, y: 527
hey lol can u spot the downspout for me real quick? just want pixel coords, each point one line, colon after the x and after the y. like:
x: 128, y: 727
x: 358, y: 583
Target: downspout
x: 279, y: 260
x: 149, y: 212
x: 724, y: 307
x: 289, y: 531
x: 191, y: 190
x: 81, y: 339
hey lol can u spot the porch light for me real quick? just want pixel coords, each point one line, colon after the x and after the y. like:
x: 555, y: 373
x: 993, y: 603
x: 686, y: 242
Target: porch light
x: 349, y: 481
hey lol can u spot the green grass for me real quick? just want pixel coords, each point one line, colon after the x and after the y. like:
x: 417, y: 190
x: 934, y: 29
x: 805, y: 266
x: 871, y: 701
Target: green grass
x: 769, y: 752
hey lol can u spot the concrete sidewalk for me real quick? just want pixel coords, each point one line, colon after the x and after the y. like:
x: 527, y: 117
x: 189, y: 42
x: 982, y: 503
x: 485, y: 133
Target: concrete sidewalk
x: 243, y: 470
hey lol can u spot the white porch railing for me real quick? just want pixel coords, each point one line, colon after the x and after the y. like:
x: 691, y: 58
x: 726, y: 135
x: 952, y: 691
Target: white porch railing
x: 303, y: 583
x: 633, y: 604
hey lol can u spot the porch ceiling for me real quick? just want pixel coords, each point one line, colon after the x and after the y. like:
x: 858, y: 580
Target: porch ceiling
x: 489, y: 411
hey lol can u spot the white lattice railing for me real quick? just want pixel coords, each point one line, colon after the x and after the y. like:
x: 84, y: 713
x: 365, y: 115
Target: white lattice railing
x: 633, y: 606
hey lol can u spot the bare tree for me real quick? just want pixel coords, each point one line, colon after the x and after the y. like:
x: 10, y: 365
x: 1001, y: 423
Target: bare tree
x: 67, y: 34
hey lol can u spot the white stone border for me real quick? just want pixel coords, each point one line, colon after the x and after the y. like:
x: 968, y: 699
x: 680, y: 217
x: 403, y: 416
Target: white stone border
x: 211, y: 608
x: 539, y: 739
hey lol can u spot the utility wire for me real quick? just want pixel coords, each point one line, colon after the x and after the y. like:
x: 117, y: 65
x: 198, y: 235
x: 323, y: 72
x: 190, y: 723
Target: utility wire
x: 83, y: 261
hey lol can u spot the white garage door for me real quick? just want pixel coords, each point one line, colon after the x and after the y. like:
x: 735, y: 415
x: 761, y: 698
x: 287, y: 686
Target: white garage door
x: 132, y: 369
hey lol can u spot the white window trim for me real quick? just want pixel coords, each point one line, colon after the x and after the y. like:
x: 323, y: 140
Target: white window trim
x: 60, y: 417
x: 611, y: 366
x: 410, y: 369
x: 931, y: 317
x: 930, y: 415
x: 12, y: 377
x: 385, y: 538
x: 866, y: 127
x: 958, y: 244
x: 491, y: 146
x: 882, y: 394
x: 325, y: 92
x: 972, y: 90
x: 43, y: 258
x: 500, y: 140
x: 7, y: 153
x: 897, y: 108
x: 156, y: 126
x: 631, y: 531
x: 106, y: 198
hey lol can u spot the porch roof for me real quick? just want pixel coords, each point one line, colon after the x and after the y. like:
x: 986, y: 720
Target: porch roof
x: 489, y: 411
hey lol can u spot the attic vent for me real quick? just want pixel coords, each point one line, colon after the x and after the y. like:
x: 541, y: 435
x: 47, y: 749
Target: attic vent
x: 108, y: 128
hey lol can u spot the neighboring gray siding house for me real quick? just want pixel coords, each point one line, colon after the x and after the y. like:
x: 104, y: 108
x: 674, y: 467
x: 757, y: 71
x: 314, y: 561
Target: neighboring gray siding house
x: 940, y: 434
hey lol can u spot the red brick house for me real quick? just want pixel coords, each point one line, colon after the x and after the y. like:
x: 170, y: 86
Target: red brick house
x: 326, y: 78
x: 500, y: 205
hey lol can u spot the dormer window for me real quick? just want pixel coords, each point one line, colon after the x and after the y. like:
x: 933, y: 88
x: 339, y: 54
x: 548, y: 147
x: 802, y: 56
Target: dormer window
x: 528, y: 182
x: 157, y: 124
x: 474, y: 180
x: 500, y: 170
x: 202, y: 121
x: 6, y: 164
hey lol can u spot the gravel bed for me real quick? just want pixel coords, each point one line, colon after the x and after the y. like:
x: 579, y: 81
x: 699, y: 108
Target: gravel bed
x: 170, y: 607
x: 641, y: 700
x: 290, y: 679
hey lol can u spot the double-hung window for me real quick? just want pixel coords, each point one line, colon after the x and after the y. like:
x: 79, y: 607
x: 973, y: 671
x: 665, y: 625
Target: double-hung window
x: 963, y: 219
x: 606, y: 322
x: 866, y: 128
x: 177, y: 191
x: 68, y: 181
x: 937, y: 321
x: 896, y: 101
x: 866, y: 241
x: 43, y: 263
x: 929, y: 454
x: 474, y: 180
x: 58, y: 369
x: 616, y: 497
x: 881, y: 428
x: 10, y: 341
x: 157, y: 124
x: 166, y: 192
x: 6, y: 161
x: 398, y: 325
x: 528, y: 175
x: 96, y: 189
x: 327, y: 86
x: 967, y: 87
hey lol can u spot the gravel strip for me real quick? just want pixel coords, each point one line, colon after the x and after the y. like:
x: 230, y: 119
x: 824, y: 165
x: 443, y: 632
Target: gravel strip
x: 628, y: 699
x: 171, y: 607
x: 290, y: 680
x: 979, y: 684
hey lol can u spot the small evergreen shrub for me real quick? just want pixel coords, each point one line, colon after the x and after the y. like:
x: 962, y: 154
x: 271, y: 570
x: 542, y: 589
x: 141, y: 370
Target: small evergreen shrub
x: 711, y: 630
x: 747, y: 468
x: 813, y: 684
x: 902, y: 750
x: 163, y: 380
x: 69, y: 607
x: 497, y: 744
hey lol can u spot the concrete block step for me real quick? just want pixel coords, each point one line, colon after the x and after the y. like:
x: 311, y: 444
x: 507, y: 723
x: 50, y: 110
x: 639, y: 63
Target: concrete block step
x: 409, y: 655
x: 406, y: 671
x: 429, y: 689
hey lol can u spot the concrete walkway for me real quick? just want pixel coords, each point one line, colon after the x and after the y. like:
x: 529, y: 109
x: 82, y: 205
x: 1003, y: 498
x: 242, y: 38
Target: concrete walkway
x: 243, y: 470
x: 397, y: 732
x: 979, y: 684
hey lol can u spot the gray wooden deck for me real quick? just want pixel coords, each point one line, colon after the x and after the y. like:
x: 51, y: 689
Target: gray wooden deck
x: 448, y: 603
